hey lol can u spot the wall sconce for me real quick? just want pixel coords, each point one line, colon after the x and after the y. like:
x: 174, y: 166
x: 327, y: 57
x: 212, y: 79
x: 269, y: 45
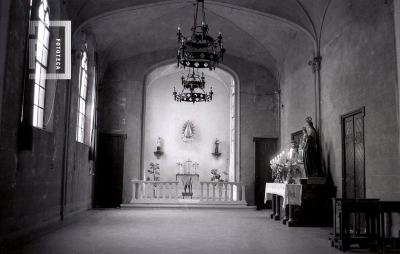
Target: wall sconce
x: 158, y: 153
x: 216, y: 154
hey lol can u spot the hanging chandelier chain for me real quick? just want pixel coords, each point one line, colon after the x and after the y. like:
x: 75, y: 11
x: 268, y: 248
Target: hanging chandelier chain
x: 199, y: 50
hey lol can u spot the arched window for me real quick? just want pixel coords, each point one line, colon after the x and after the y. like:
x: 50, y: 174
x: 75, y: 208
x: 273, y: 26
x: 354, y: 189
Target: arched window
x: 83, y: 77
x: 42, y: 49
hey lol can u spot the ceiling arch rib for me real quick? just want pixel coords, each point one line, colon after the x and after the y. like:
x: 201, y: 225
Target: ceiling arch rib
x: 249, y: 34
x: 83, y: 11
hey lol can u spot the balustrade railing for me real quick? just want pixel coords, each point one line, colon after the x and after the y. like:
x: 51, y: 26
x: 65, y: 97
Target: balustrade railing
x: 168, y: 192
x: 223, y: 192
x: 154, y: 192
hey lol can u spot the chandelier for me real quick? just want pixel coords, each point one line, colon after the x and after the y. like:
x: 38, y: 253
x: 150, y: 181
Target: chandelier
x: 191, y: 83
x: 199, y: 50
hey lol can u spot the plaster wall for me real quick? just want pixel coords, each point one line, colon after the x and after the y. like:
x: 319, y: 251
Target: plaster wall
x: 298, y: 99
x: 359, y: 70
x: 165, y: 118
x: 31, y: 180
x: 121, y: 102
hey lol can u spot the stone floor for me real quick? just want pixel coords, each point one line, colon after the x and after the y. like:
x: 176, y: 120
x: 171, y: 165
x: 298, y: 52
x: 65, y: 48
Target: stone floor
x: 175, y: 230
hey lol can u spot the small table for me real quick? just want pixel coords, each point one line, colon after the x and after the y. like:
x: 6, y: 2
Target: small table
x: 187, y: 194
x: 291, y: 194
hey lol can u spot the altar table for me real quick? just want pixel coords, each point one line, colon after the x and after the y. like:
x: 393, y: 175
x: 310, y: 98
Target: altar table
x: 307, y: 204
x: 291, y: 193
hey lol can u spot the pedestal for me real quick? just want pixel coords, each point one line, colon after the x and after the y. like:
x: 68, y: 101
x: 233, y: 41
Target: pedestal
x: 316, y: 205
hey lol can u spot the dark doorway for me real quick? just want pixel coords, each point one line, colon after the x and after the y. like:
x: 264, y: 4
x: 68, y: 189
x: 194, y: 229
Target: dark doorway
x: 265, y: 150
x: 353, y: 154
x: 353, y: 174
x: 109, y: 173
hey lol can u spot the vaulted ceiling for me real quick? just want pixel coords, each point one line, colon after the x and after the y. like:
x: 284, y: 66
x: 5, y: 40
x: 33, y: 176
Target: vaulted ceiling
x: 255, y: 30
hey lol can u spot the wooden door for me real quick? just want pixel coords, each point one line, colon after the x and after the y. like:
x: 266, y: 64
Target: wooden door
x: 354, y: 168
x: 354, y: 165
x: 109, y: 173
x: 265, y: 150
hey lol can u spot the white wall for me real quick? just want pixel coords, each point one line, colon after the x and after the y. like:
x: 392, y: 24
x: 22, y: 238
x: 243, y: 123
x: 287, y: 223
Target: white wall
x: 165, y: 118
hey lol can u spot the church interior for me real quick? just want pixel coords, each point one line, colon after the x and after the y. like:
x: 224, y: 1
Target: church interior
x: 214, y: 108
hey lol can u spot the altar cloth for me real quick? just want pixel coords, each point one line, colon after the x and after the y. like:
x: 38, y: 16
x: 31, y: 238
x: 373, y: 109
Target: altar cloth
x: 291, y: 193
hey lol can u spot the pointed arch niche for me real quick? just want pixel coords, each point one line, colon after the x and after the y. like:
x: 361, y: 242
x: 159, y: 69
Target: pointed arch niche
x: 163, y: 117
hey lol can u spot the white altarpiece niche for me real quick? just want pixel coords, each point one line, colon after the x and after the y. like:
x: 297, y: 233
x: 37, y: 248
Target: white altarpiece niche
x: 164, y: 118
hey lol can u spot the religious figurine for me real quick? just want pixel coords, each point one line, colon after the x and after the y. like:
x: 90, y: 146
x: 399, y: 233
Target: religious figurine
x: 311, y: 154
x: 188, y: 131
x: 216, y: 145
x: 159, y: 144
x: 302, y: 144
x: 293, y: 150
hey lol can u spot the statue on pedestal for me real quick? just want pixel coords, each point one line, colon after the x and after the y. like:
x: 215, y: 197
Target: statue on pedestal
x: 311, y: 154
x: 159, y: 144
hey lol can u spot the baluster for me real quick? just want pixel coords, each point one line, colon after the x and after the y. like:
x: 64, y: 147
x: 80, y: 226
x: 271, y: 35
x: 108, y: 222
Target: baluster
x: 237, y: 192
x: 170, y: 185
x: 220, y: 191
x: 208, y: 191
x: 140, y: 190
x: 231, y: 199
x: 163, y: 191
x: 144, y: 190
x: 226, y: 192
x: 152, y: 192
x: 176, y: 191
x: 133, y: 191
x: 213, y: 191
x: 201, y: 192
x: 243, y: 192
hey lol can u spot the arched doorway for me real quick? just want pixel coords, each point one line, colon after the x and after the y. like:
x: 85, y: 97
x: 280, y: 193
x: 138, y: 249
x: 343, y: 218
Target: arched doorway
x: 165, y: 118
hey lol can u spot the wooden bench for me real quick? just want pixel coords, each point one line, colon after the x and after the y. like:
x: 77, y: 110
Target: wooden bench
x: 334, y: 235
x: 374, y: 219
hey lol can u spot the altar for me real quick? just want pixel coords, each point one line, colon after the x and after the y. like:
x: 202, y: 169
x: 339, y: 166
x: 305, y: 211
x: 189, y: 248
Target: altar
x: 291, y: 193
x: 302, y: 205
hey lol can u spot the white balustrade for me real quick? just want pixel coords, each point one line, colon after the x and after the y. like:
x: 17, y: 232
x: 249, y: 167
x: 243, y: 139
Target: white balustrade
x: 228, y: 193
x: 149, y: 192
